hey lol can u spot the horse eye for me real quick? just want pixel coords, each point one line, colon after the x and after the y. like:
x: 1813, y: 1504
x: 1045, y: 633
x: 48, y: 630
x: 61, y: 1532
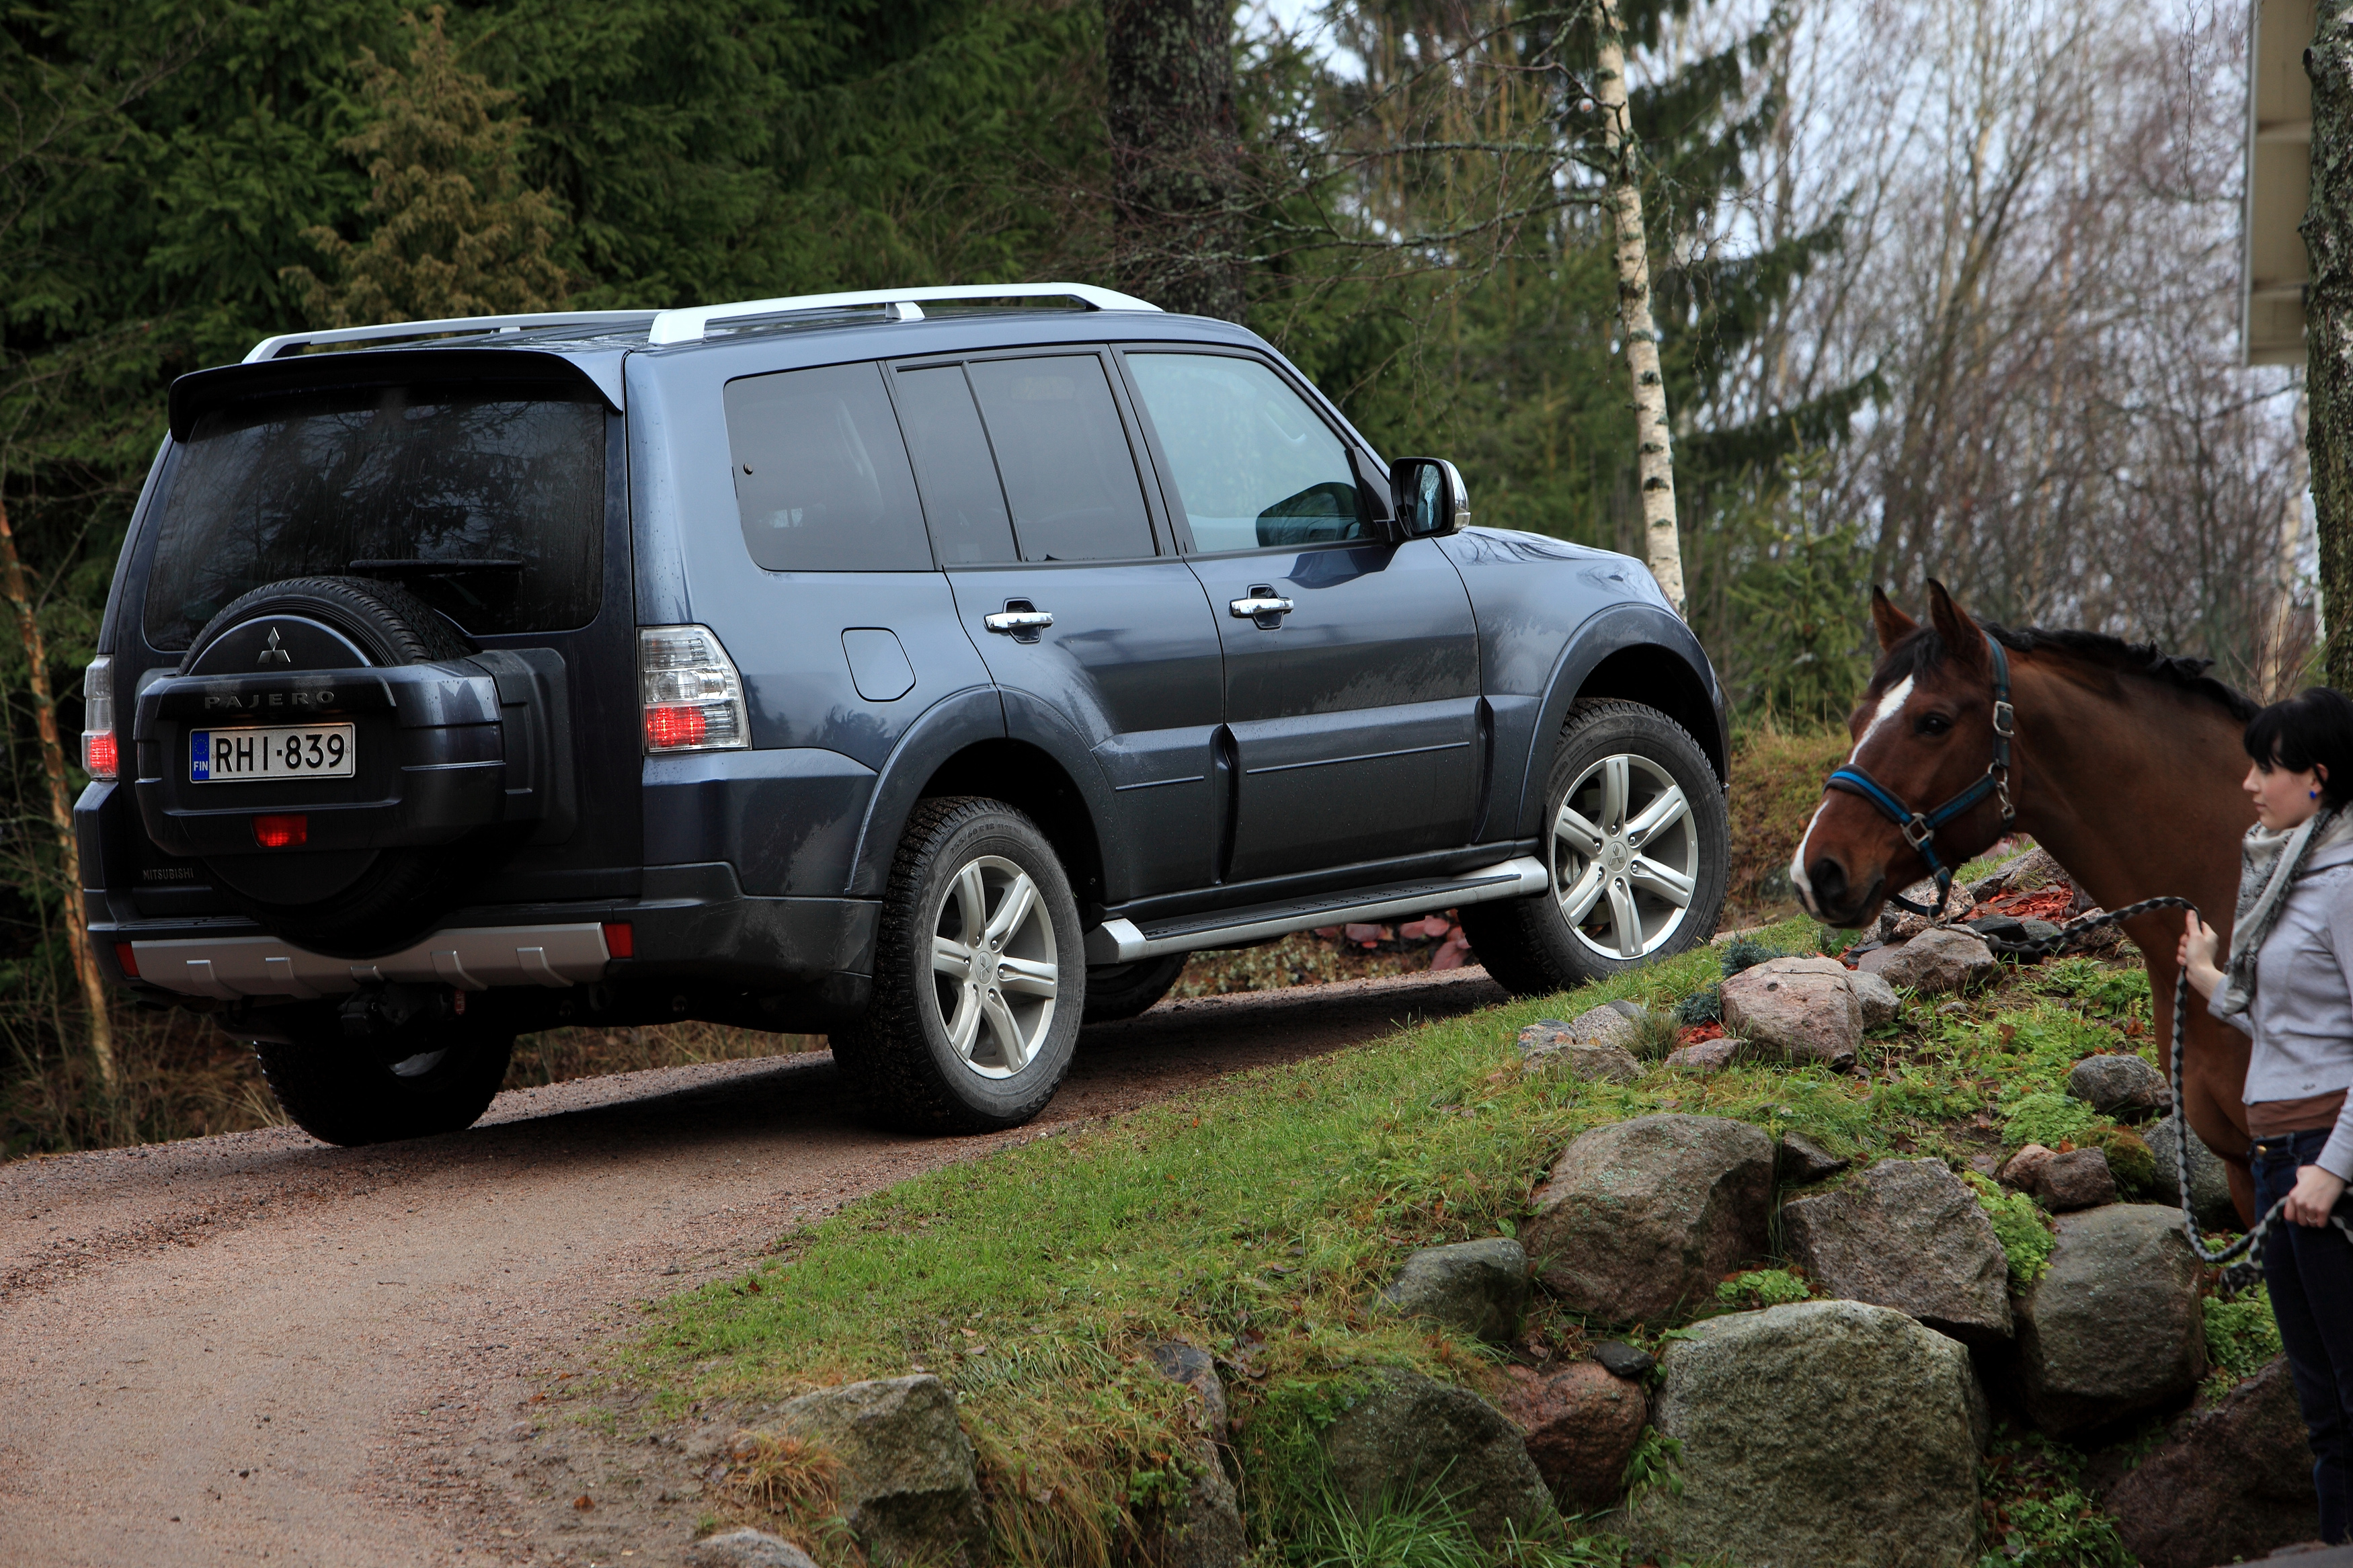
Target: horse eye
x: 1932, y: 724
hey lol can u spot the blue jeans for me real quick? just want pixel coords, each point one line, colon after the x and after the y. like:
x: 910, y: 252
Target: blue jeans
x: 2309, y: 1270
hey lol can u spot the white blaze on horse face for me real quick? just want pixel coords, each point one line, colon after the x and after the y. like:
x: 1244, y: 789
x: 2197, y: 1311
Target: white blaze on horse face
x: 1889, y: 706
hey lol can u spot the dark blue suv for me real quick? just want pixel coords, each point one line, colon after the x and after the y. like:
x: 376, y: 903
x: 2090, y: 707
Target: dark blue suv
x: 932, y: 668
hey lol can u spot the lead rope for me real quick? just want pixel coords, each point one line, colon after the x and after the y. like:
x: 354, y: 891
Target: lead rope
x: 2238, y: 1255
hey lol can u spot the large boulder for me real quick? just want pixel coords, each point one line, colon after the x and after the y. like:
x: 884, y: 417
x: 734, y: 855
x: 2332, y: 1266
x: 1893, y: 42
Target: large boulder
x: 906, y: 1480
x: 1939, y: 959
x: 2210, y: 1179
x: 2113, y: 1330
x: 1641, y: 1216
x: 1800, y: 1008
x: 1203, y: 1527
x: 1595, y: 1048
x: 1800, y: 1159
x: 2232, y: 1481
x: 2121, y: 1086
x: 1823, y: 1435
x: 746, y: 1548
x: 1405, y: 1433
x: 1479, y: 1288
x: 1582, y: 1425
x: 1906, y: 1233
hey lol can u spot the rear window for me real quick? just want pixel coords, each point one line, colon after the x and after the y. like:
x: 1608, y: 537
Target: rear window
x: 490, y: 507
x: 821, y: 476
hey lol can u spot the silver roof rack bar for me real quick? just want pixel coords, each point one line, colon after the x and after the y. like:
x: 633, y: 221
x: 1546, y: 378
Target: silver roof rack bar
x: 688, y: 325
x: 294, y: 342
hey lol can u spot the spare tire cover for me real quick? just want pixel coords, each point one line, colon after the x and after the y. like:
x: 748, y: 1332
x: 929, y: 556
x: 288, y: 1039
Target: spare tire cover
x: 349, y: 902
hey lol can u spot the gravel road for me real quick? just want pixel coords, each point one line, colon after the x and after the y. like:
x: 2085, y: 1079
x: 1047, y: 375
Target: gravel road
x: 258, y: 1348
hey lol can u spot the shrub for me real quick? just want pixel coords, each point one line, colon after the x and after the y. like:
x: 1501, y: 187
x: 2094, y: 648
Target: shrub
x: 2049, y: 1119
x: 1656, y: 1033
x: 1702, y: 1006
x: 1746, y: 952
x: 2020, y: 1224
x: 1765, y: 1287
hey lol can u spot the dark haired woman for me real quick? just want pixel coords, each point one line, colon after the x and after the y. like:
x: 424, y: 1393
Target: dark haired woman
x: 2288, y: 985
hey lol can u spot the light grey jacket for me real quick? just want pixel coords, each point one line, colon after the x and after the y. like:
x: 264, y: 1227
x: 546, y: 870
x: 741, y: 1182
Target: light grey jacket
x: 2302, y: 1014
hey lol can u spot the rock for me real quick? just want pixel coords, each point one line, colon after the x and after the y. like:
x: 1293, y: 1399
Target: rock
x: 1801, y: 1007
x: 1998, y: 928
x: 1477, y: 1287
x: 2114, y: 1328
x: 2025, y: 1165
x: 1638, y: 1217
x: 1582, y: 1426
x: 2121, y: 1085
x: 746, y: 1548
x: 2033, y: 870
x: 1707, y: 1057
x: 2210, y: 1179
x: 1902, y: 925
x: 1880, y: 1003
x: 2232, y: 1481
x: 1406, y: 1432
x: 1906, y: 1233
x: 1612, y: 1024
x: 1622, y: 1359
x: 906, y: 1482
x: 1823, y: 1434
x: 1203, y: 1528
x: 2078, y: 1179
x: 2039, y: 930
x: 1935, y: 961
x: 1799, y: 1159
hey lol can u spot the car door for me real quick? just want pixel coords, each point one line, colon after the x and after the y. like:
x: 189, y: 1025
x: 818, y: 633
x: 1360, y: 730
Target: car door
x: 1352, y: 662
x: 1030, y: 484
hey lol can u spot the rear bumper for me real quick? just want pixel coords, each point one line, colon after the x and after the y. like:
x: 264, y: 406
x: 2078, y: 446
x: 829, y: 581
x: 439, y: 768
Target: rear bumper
x: 693, y: 934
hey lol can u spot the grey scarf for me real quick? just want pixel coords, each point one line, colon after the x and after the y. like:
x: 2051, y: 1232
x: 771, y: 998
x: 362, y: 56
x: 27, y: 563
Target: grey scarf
x: 2270, y: 863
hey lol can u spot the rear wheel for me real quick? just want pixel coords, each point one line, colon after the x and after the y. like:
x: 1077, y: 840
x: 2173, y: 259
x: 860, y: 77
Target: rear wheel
x: 1638, y: 845
x: 1116, y: 991
x: 429, y: 1077
x: 979, y: 983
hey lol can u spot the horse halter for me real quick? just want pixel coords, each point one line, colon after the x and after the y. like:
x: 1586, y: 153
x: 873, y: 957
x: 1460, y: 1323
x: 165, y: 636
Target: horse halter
x: 1919, y: 828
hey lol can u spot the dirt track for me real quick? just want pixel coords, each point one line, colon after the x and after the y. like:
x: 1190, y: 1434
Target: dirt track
x: 255, y: 1347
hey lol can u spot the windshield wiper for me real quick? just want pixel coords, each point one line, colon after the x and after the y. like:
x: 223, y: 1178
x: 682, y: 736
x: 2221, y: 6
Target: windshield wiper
x: 413, y: 566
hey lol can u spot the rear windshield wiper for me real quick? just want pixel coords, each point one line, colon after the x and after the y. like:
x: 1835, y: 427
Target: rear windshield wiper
x: 410, y: 566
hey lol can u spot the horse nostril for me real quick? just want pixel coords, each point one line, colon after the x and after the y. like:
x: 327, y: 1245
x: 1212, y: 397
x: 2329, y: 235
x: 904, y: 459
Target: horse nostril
x: 1828, y: 881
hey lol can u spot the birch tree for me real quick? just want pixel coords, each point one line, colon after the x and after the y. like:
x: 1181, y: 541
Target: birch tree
x: 1631, y: 254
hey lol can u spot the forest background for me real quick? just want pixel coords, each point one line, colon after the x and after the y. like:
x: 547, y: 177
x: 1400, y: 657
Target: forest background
x: 1944, y: 287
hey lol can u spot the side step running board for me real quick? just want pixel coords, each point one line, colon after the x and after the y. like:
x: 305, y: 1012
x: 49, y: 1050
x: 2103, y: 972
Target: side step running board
x: 1123, y: 941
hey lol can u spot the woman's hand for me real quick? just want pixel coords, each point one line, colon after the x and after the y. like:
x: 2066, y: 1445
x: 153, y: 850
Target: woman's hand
x: 2196, y: 955
x: 2315, y: 1195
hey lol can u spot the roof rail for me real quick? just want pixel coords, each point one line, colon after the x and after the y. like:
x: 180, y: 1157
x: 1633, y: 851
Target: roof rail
x: 688, y: 325
x: 294, y: 342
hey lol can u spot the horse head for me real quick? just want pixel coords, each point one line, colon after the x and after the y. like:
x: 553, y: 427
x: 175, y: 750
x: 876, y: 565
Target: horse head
x: 1925, y: 741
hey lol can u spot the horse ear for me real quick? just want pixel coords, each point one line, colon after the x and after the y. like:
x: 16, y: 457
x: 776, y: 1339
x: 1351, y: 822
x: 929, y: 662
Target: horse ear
x: 1963, y: 642
x: 1893, y: 624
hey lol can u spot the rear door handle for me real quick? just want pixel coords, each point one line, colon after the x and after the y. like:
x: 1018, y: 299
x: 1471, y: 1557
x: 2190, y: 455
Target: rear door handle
x: 1021, y: 620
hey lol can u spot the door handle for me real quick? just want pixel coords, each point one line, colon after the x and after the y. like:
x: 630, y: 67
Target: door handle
x: 1021, y: 620
x: 1261, y: 601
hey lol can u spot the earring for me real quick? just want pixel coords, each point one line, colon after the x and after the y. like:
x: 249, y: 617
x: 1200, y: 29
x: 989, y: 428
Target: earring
x: 2314, y: 796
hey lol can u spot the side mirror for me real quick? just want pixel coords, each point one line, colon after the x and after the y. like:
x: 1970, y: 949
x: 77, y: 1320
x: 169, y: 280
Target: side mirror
x: 1431, y: 496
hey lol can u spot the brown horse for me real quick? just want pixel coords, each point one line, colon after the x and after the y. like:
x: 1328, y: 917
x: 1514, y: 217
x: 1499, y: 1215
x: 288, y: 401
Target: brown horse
x: 2126, y: 767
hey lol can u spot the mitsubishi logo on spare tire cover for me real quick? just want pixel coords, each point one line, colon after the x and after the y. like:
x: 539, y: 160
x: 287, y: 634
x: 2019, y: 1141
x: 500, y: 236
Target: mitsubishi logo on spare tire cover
x: 282, y: 643
x: 273, y: 654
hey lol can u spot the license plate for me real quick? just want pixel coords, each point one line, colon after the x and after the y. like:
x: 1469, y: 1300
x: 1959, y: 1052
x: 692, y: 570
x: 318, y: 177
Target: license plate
x: 275, y: 752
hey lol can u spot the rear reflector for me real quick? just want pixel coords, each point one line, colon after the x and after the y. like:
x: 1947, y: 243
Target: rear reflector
x: 125, y: 955
x: 282, y: 832
x: 620, y: 942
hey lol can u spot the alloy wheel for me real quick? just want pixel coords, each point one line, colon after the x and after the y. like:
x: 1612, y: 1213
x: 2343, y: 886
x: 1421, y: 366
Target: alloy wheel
x: 1625, y: 856
x: 993, y: 967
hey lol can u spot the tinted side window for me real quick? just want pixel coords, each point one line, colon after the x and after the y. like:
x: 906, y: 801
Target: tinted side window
x: 962, y: 500
x: 1064, y: 456
x: 489, y: 509
x: 1254, y: 465
x: 821, y: 478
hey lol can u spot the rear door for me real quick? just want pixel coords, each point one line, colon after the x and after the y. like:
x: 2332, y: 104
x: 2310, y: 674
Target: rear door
x: 1351, y: 662
x: 1030, y: 484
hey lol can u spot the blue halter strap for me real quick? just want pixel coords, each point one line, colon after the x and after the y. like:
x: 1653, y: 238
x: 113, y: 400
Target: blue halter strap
x: 1919, y: 828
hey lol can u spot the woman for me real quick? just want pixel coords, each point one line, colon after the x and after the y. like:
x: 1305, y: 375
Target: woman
x: 2289, y: 986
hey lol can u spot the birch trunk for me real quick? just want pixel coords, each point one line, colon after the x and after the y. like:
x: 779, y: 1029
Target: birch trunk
x: 1663, y: 546
x: 53, y: 763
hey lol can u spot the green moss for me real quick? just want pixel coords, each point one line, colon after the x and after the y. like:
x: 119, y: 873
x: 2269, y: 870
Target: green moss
x: 2046, y: 1118
x: 2242, y: 1335
x: 2130, y: 1159
x: 2020, y: 1224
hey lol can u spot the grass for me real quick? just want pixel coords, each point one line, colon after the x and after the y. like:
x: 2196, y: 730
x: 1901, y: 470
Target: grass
x: 1256, y: 1218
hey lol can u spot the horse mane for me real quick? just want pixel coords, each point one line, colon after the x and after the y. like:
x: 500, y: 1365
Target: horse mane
x: 1923, y: 651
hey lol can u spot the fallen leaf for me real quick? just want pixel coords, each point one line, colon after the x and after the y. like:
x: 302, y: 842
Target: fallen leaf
x: 584, y: 1501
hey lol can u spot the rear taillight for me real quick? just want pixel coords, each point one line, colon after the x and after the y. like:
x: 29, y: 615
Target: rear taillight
x: 693, y: 698
x: 98, y: 757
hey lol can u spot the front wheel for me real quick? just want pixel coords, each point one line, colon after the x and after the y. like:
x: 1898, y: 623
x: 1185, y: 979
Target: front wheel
x: 1638, y: 848
x: 980, y: 975
x: 430, y: 1076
